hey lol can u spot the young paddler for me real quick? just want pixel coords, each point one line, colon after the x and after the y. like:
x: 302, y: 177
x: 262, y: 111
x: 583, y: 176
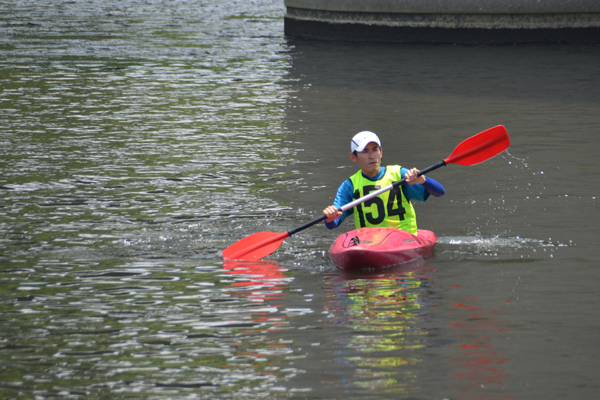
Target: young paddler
x: 391, y: 209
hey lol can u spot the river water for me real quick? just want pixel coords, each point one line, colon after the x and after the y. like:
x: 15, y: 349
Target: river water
x: 138, y: 139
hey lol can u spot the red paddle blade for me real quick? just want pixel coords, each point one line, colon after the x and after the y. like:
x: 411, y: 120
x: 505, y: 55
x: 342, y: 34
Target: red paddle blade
x: 480, y: 147
x: 255, y: 247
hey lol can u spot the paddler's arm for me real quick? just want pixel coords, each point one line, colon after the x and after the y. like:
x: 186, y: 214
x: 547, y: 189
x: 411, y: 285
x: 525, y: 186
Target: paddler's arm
x: 343, y: 196
x: 434, y: 187
x: 420, y: 189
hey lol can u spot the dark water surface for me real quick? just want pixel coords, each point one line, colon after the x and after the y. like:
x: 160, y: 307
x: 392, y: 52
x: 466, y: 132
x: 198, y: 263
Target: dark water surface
x: 138, y: 139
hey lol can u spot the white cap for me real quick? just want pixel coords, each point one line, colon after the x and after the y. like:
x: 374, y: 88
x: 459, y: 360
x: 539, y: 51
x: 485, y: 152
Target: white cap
x: 362, y: 139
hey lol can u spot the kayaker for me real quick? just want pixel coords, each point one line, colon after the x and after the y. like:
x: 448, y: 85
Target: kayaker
x: 391, y: 209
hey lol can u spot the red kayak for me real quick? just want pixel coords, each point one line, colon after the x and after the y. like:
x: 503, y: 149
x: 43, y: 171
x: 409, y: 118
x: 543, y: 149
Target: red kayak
x: 373, y: 248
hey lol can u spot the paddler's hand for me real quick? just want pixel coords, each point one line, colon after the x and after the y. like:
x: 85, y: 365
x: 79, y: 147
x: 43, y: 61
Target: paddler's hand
x: 411, y: 177
x: 332, y: 213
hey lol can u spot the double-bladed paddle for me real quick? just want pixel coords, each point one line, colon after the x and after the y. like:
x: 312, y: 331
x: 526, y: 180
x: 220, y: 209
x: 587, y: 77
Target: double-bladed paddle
x: 471, y: 151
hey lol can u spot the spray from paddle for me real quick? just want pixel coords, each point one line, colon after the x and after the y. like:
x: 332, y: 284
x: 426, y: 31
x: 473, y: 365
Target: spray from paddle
x: 471, y: 151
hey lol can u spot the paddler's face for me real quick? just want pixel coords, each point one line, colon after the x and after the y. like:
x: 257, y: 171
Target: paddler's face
x: 369, y: 160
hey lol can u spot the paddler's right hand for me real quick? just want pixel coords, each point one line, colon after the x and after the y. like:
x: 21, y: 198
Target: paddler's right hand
x: 332, y: 213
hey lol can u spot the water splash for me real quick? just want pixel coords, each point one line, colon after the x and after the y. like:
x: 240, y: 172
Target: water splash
x: 499, y: 247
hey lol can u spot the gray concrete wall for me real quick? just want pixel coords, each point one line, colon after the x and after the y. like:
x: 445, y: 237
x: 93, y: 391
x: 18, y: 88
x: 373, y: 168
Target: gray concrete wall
x: 450, y: 6
x: 446, y: 21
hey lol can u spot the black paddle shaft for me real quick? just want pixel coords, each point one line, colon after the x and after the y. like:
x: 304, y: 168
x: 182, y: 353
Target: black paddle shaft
x: 365, y: 198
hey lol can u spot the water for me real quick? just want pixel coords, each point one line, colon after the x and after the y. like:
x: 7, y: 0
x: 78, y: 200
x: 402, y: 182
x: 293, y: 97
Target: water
x: 140, y: 138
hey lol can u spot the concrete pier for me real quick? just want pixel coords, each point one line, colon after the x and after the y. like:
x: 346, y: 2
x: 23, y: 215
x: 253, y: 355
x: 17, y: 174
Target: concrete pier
x: 449, y: 21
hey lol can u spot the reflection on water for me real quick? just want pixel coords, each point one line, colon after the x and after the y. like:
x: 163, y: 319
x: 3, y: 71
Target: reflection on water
x: 144, y: 328
x: 261, y: 275
x: 480, y: 363
x: 132, y: 134
x: 379, y: 316
x: 399, y: 333
x: 149, y: 125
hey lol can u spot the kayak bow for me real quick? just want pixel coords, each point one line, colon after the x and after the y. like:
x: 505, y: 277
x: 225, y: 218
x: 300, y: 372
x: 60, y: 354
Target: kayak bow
x: 375, y: 248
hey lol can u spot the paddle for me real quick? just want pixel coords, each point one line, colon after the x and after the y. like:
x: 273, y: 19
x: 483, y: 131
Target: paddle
x: 471, y: 151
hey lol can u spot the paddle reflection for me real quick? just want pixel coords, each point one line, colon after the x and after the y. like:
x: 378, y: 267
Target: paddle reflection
x: 380, y: 313
x: 264, y: 279
x: 478, y: 364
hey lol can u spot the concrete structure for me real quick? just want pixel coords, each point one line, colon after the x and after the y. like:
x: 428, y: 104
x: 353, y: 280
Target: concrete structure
x: 446, y: 21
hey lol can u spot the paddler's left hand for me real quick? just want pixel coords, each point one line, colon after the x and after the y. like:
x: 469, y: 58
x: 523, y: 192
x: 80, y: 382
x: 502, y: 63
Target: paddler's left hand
x: 411, y: 177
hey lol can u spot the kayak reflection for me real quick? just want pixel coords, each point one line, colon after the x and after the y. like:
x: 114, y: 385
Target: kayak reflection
x: 393, y: 323
x: 379, y: 315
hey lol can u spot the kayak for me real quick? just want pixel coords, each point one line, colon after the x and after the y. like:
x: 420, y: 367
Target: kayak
x: 374, y: 248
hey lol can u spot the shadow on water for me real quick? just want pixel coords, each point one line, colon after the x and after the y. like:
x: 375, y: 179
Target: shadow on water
x: 509, y: 229
x: 424, y: 100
